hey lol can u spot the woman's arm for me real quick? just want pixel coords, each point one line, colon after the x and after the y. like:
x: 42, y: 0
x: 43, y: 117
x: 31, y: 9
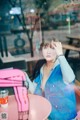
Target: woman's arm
x: 29, y: 84
x: 67, y: 72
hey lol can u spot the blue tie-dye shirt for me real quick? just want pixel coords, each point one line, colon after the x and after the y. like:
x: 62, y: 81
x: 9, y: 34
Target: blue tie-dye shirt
x: 60, y: 95
x: 58, y: 90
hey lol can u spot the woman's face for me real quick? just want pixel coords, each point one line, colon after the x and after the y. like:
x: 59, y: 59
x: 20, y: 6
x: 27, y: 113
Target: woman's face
x: 49, y: 53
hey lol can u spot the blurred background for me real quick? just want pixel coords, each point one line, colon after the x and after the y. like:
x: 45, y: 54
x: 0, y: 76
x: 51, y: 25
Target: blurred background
x: 24, y: 24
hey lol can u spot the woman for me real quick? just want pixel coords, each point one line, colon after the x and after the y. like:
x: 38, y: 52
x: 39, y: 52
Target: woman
x: 55, y: 82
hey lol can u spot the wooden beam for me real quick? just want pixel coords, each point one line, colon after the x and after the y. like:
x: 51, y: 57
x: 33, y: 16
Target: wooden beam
x: 70, y: 47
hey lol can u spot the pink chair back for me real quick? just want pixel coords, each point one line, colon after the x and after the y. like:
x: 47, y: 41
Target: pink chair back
x: 15, y: 78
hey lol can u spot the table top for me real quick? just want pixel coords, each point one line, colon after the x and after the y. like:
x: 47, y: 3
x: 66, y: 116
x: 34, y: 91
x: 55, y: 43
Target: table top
x: 75, y: 37
x: 70, y: 47
x: 39, y: 108
x: 23, y: 57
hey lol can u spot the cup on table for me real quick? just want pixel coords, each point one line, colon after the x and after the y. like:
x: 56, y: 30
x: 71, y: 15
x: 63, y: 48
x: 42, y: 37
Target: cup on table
x: 4, y: 98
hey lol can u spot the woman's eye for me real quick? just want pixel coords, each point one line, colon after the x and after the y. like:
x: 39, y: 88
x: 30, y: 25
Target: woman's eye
x: 51, y: 47
x: 45, y: 46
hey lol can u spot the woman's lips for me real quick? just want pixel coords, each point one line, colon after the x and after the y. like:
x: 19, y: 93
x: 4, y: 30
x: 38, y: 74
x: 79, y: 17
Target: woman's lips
x: 48, y: 56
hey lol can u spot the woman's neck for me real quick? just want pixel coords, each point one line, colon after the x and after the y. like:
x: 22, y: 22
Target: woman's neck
x: 49, y: 64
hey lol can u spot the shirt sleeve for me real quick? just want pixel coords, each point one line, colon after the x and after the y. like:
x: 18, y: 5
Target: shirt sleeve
x: 67, y: 72
x: 30, y: 85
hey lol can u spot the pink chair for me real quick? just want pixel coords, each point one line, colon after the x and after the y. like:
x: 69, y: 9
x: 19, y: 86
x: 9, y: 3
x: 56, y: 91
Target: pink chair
x: 15, y: 78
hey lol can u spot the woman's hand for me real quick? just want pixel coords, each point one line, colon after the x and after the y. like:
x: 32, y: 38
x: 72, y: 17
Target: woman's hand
x: 58, y: 47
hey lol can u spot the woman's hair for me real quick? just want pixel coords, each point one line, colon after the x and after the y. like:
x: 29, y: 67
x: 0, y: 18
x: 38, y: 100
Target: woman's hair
x: 47, y: 42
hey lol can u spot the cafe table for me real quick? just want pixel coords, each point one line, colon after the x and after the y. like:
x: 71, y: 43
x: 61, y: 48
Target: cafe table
x: 73, y: 38
x: 39, y: 108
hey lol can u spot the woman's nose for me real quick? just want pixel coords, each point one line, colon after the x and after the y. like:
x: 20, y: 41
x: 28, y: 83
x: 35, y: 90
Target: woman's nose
x: 48, y: 50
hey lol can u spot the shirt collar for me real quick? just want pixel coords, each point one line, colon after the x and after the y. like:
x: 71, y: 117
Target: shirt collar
x: 56, y: 63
